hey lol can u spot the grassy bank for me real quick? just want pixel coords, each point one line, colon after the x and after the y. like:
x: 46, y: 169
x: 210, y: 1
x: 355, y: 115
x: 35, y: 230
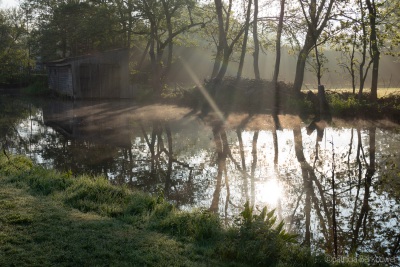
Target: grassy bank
x: 48, y: 218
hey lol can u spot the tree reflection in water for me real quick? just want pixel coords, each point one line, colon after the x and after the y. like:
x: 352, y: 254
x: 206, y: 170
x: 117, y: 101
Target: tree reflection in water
x: 338, y: 187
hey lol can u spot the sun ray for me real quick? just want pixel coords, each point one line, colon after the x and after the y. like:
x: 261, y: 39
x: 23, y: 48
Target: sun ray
x: 203, y: 90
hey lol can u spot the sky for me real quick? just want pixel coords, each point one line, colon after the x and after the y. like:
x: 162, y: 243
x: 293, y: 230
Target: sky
x: 8, y: 3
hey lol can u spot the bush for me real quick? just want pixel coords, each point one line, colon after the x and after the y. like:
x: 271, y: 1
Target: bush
x: 299, y: 105
x: 257, y: 239
x: 345, y: 105
x: 14, y: 165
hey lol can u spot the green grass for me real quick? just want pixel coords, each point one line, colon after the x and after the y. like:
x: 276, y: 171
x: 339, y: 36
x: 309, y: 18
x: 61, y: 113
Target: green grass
x: 382, y: 92
x: 49, y: 218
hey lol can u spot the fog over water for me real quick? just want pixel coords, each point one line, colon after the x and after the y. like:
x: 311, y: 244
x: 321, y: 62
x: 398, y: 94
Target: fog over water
x: 346, y: 168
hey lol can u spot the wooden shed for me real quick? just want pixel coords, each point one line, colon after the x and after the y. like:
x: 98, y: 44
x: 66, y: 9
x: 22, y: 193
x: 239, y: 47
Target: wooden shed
x: 100, y: 75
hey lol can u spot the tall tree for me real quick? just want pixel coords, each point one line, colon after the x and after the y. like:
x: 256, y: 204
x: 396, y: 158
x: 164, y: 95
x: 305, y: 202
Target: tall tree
x: 245, y: 37
x: 225, y: 28
x: 372, y: 12
x: 317, y: 16
x: 256, y: 42
x: 352, y: 42
x: 74, y: 28
x: 166, y: 22
x: 222, y: 42
x: 363, y: 72
x: 278, y: 57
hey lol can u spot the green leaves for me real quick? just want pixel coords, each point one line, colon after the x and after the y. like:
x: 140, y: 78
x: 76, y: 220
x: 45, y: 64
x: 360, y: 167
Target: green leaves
x: 258, y: 239
x: 14, y: 56
x: 264, y: 221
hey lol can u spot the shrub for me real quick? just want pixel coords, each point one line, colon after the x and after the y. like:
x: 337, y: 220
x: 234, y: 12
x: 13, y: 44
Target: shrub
x: 344, y: 105
x: 258, y: 240
x: 299, y: 105
x: 14, y: 165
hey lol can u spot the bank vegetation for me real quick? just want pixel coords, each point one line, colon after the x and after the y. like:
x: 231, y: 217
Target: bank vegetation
x: 50, y: 218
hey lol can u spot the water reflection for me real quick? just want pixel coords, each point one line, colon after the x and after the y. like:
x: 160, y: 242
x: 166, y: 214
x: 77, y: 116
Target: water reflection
x: 338, y: 186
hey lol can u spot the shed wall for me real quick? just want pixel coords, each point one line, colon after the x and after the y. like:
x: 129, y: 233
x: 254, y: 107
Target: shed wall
x: 60, y: 79
x: 103, y: 75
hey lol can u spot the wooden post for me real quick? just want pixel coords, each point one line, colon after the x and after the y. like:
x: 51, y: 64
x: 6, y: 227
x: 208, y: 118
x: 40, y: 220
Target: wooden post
x: 324, y: 110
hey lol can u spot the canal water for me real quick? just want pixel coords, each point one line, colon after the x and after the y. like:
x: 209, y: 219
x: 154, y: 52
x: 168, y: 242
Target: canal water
x: 336, y: 184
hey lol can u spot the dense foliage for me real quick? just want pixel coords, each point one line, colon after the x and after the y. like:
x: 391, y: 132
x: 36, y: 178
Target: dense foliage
x: 153, y: 29
x: 14, y: 55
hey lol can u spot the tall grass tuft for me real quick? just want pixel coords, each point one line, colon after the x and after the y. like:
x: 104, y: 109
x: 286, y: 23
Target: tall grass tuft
x: 46, y: 182
x: 199, y: 225
x: 97, y: 195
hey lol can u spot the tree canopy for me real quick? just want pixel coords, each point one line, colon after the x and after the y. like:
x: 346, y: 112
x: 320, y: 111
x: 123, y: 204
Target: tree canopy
x: 361, y: 29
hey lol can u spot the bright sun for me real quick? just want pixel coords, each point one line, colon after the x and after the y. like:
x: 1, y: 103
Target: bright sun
x: 270, y: 192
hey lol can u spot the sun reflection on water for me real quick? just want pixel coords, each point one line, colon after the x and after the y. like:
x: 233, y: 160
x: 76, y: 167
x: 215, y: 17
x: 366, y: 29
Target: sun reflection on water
x: 270, y: 192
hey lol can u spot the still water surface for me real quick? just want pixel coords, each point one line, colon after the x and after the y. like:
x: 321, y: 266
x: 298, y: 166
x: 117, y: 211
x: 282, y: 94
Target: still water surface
x: 336, y: 184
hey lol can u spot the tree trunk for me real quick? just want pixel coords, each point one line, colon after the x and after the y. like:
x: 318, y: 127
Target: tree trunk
x: 168, y: 180
x: 170, y: 44
x: 244, y: 45
x: 278, y: 43
x: 243, y: 160
x: 364, y: 51
x: 153, y: 59
x: 301, y: 63
x: 221, y: 158
x: 313, y: 32
x: 307, y: 182
x: 375, y: 49
x: 275, y: 110
x: 256, y: 42
x: 365, y: 208
x: 222, y: 42
x: 217, y: 62
x: 253, y: 167
x: 352, y: 63
x: 143, y: 57
x: 224, y: 66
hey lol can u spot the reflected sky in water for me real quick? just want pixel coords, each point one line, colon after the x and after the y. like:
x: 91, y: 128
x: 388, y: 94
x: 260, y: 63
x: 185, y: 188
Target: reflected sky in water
x: 337, y: 185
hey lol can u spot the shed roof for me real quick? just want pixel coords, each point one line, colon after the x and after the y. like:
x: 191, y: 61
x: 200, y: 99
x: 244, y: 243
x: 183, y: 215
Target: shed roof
x: 66, y: 61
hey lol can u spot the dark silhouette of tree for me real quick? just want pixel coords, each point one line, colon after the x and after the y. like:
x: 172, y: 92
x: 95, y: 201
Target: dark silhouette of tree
x: 317, y: 16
